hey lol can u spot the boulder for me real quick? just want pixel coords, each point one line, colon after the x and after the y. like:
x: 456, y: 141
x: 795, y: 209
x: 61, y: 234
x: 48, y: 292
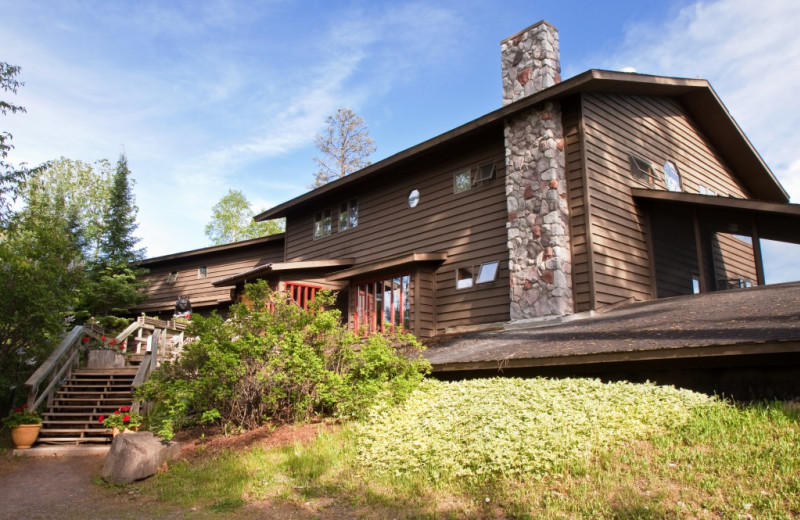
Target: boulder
x: 134, y: 456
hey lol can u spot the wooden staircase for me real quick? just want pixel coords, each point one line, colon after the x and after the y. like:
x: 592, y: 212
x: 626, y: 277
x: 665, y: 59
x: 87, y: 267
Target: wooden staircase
x: 73, y: 414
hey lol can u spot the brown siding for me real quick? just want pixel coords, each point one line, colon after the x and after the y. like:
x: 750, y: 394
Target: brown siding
x: 469, y: 227
x: 162, y: 294
x: 582, y: 276
x: 657, y: 130
x: 733, y: 259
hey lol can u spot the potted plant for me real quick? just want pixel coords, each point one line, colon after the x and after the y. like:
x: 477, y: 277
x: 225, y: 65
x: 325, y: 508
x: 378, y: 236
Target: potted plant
x: 123, y: 420
x: 24, y: 425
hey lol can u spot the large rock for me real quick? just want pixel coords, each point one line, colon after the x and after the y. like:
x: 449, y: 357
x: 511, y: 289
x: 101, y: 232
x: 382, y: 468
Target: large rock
x: 134, y: 456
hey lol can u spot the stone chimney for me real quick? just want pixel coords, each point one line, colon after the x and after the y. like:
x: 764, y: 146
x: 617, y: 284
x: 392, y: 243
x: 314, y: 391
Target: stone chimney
x: 539, y: 251
x: 530, y: 61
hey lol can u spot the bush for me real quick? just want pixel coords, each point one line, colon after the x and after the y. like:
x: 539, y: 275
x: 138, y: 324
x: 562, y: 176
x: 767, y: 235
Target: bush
x: 274, y: 360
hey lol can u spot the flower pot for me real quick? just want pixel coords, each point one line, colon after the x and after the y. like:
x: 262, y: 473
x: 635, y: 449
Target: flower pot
x: 114, y: 431
x: 25, y: 435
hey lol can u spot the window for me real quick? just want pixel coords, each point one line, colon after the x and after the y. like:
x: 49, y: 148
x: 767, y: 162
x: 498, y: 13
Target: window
x: 488, y: 272
x: 173, y: 277
x: 348, y: 214
x: 462, y: 181
x: 463, y: 278
x: 485, y: 173
x: 202, y: 271
x: 642, y: 170
x: 383, y: 305
x: 413, y: 198
x: 322, y: 224
x: 671, y: 177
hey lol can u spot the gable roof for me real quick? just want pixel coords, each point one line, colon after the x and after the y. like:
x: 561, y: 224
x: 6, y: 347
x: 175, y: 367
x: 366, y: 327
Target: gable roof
x: 696, y: 96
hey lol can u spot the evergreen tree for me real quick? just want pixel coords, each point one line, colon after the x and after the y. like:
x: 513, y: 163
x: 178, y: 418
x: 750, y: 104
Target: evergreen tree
x: 114, y: 285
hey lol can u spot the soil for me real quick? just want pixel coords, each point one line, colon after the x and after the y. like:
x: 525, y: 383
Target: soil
x: 70, y: 488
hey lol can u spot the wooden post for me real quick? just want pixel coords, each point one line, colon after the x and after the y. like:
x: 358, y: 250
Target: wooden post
x: 760, y: 279
x: 701, y: 257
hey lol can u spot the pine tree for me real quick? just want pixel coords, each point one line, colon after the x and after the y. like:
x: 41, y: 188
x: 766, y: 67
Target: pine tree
x: 114, y: 285
x: 344, y: 146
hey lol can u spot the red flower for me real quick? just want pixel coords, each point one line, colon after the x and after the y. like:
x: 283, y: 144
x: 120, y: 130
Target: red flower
x: 122, y: 347
x: 117, y: 412
x: 101, y: 419
x: 188, y: 316
x: 112, y: 342
x: 126, y: 418
x: 125, y: 409
x: 85, y: 339
x: 103, y: 338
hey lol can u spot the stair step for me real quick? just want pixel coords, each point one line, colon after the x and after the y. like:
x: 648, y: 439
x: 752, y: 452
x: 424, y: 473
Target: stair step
x: 75, y: 430
x: 81, y: 420
x: 72, y: 440
x: 102, y: 393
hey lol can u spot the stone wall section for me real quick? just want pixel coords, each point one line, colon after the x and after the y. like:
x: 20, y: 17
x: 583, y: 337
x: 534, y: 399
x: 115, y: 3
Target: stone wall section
x: 530, y: 61
x: 540, y: 262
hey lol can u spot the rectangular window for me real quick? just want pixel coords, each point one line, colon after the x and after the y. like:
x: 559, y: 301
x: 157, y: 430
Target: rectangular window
x: 322, y: 224
x: 172, y: 277
x: 463, y: 278
x: 642, y: 170
x: 383, y: 305
x: 348, y: 214
x: 488, y: 272
x: 462, y: 181
x: 485, y: 173
x: 202, y: 271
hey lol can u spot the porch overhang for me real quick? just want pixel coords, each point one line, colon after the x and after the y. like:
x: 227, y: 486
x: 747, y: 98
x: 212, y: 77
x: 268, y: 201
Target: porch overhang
x: 262, y: 270
x: 770, y: 220
x: 394, y: 262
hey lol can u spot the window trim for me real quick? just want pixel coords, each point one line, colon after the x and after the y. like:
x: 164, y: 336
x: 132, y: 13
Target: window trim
x: 481, y: 177
x: 320, y: 218
x: 642, y: 170
x: 479, y: 277
x: 467, y: 185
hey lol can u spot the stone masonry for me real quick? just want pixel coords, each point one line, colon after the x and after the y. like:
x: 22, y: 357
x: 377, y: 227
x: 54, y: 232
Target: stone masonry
x: 530, y: 61
x: 540, y: 262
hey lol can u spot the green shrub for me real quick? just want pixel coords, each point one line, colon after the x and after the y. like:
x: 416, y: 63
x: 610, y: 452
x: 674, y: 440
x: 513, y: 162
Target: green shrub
x: 274, y: 360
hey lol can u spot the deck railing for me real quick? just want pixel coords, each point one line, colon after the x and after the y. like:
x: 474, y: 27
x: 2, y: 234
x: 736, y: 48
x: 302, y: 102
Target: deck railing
x: 156, y: 340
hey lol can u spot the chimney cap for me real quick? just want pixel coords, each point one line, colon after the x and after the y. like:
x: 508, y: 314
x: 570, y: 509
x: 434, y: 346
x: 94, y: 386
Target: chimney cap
x: 540, y: 22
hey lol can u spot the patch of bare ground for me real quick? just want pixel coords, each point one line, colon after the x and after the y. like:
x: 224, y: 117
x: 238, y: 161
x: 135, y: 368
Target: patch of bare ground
x: 204, y: 441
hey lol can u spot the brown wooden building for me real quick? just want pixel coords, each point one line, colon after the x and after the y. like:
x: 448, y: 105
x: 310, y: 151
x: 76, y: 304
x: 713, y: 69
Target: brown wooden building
x: 575, y: 196
x: 191, y: 274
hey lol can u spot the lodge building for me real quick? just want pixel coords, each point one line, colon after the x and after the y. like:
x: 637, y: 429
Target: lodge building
x: 574, y: 197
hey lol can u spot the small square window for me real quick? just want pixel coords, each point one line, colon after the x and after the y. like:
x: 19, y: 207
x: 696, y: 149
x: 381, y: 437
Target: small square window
x: 463, y: 278
x: 488, y: 272
x: 173, y: 277
x: 202, y: 271
x: 642, y: 170
x: 462, y: 181
x: 485, y: 173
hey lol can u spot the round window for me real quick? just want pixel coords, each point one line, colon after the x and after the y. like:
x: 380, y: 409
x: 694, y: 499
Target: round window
x: 413, y: 198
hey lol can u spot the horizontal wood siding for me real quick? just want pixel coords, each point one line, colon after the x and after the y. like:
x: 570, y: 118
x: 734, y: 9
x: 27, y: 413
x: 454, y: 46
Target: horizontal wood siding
x: 581, y: 277
x: 657, y: 130
x: 200, y: 291
x: 469, y: 227
x: 733, y: 259
x: 675, y: 253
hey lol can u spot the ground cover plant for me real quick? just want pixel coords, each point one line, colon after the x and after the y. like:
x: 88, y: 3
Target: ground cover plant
x: 586, y: 450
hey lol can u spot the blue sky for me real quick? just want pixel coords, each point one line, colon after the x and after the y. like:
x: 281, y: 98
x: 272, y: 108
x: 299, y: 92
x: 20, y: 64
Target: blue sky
x: 205, y: 96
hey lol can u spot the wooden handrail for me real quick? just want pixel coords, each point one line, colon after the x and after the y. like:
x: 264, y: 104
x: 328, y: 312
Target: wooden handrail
x: 68, y: 346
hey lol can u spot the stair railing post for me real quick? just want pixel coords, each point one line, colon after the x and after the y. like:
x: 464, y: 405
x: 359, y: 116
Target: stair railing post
x: 154, y: 340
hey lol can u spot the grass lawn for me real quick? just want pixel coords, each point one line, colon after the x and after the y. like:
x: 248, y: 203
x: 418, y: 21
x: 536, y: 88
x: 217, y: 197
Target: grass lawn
x: 510, y: 448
